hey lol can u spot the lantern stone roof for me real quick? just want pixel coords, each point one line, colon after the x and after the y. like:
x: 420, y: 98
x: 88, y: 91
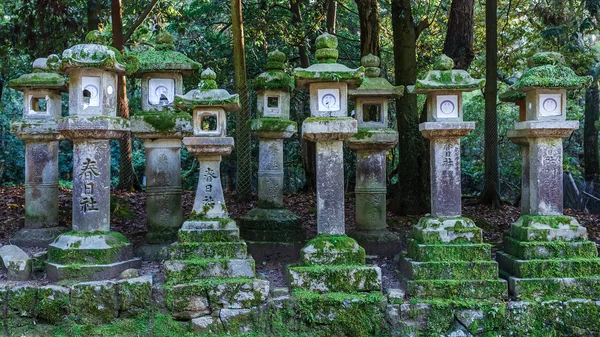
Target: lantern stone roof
x: 274, y: 78
x: 510, y: 95
x: 92, y: 56
x: 373, y: 85
x: 208, y: 94
x: 548, y: 71
x: 327, y: 69
x: 443, y: 77
x: 42, y: 77
x: 164, y: 58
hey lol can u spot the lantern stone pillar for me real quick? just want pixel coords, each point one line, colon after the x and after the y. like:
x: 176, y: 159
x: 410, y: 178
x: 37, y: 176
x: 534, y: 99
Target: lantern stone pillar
x: 270, y: 229
x: 446, y: 257
x: 91, y: 251
x: 331, y: 262
x: 161, y: 128
x: 210, y: 260
x: 42, y: 107
x: 547, y: 254
x: 371, y: 144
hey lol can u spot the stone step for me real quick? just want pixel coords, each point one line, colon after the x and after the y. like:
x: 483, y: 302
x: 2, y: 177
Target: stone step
x: 550, y: 250
x: 332, y: 250
x: 457, y: 289
x: 91, y: 272
x: 547, y: 228
x: 446, y: 230
x: 90, y: 249
x: 449, y: 270
x: 279, y: 219
x: 184, y: 300
x: 449, y: 252
x: 288, y: 235
x: 186, y: 271
x: 548, y: 268
x: 323, y: 279
x: 554, y: 288
x: 207, y: 250
x: 208, y: 231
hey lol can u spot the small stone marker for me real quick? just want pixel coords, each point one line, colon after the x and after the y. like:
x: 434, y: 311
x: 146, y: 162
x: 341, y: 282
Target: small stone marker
x: 547, y: 254
x: 446, y: 257
x: 162, y: 70
x: 41, y: 108
x: 16, y: 262
x: 371, y: 144
x: 270, y: 229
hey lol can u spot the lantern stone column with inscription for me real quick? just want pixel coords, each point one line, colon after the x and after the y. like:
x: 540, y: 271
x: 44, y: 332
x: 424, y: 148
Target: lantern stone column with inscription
x: 331, y: 262
x: 371, y: 144
x: 91, y: 251
x: 547, y: 254
x: 162, y: 70
x: 42, y: 107
x: 271, y: 229
x: 446, y: 256
x: 210, y: 259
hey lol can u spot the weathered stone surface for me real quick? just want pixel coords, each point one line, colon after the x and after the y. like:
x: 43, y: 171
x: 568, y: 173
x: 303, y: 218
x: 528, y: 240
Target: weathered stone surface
x: 449, y: 252
x: 270, y: 173
x: 79, y: 272
x: 206, y: 250
x: 549, y: 268
x: 316, y: 129
x: 135, y: 295
x: 36, y: 237
x: 549, y: 250
x: 449, y: 270
x: 270, y: 219
x: 547, y: 228
x: 209, y: 231
x: 181, y: 271
x: 235, y: 320
x: 330, y: 187
x: 207, y: 325
x: 395, y: 295
x: 343, y: 278
x: 16, y: 262
x: 186, y: 301
x: 52, y: 303
x: 457, y: 289
x: 87, y: 248
x: 238, y: 295
x: 330, y: 250
x: 21, y: 305
x: 431, y: 230
x: 550, y: 288
x: 95, y: 302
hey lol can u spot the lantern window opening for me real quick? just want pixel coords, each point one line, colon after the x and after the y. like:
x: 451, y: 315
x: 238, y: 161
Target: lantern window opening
x: 208, y: 122
x: 91, y: 91
x: 372, y: 112
x: 272, y: 102
x: 38, y: 105
x: 161, y: 91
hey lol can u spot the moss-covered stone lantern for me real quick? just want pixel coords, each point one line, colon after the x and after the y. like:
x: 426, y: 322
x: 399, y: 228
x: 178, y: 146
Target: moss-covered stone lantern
x: 446, y: 255
x: 209, y: 255
x: 162, y: 128
x: 271, y: 229
x: 371, y: 143
x: 41, y: 108
x: 91, y: 251
x: 547, y: 254
x: 331, y: 262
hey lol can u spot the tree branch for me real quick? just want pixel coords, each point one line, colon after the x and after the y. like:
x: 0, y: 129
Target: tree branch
x: 139, y: 20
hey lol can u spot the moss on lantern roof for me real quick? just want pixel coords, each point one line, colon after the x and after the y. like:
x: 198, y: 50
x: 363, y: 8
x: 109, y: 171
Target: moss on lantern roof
x: 373, y: 85
x: 91, y: 56
x: 42, y: 77
x: 274, y: 78
x: 443, y: 77
x: 208, y: 94
x: 549, y: 71
x: 164, y: 58
x: 327, y: 69
x: 510, y: 95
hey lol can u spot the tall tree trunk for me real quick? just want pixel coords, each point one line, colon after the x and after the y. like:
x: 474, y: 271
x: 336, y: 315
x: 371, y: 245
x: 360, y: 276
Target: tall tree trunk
x: 243, y: 159
x: 590, y: 133
x: 93, y: 14
x: 411, y: 193
x: 491, y: 182
x: 368, y: 16
x: 127, y: 178
x: 296, y: 20
x: 459, y: 37
x: 331, y: 16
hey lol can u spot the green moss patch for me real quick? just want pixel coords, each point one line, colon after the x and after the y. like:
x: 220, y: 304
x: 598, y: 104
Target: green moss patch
x: 94, y: 302
x: 339, y: 278
x: 185, y: 251
x: 528, y: 250
x: 457, y: 289
x: 162, y: 121
x: 272, y: 124
x: 449, y: 252
x: 450, y: 270
x: 332, y: 250
x: 166, y: 60
x: 549, y: 268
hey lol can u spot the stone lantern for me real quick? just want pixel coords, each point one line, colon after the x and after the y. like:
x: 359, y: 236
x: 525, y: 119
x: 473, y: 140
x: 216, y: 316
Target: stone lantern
x: 373, y: 140
x: 331, y: 262
x: 547, y: 254
x: 91, y: 251
x: 162, y: 70
x: 446, y: 255
x: 209, y: 252
x: 271, y: 229
x: 41, y: 108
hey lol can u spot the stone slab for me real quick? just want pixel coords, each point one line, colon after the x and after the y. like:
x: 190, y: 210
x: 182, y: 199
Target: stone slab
x: 547, y: 228
x: 235, y: 321
x: 284, y: 235
x: 549, y: 250
x: 446, y: 230
x: 449, y: 252
x: 16, y: 262
x: 185, y: 271
x: 335, y: 278
x: 134, y: 295
x: 554, y: 288
x: 90, y: 249
x: 548, y: 268
x: 207, y: 325
x: 206, y: 250
x: 95, y: 302
x: 457, y: 289
x: 36, y: 237
x: 208, y: 231
x: 21, y: 305
x: 52, y: 303
x: 332, y: 250
x: 79, y: 272
x: 449, y: 270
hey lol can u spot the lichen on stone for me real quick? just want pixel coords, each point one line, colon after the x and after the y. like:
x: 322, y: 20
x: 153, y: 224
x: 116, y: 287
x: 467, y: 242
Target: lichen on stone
x: 208, y: 94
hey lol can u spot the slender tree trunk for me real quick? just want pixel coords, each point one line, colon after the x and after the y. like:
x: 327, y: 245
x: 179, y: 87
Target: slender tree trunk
x: 590, y: 133
x: 243, y: 159
x: 93, y: 14
x: 411, y: 193
x: 368, y: 16
x: 459, y: 37
x: 127, y: 178
x: 491, y: 183
x: 296, y: 20
x: 331, y: 16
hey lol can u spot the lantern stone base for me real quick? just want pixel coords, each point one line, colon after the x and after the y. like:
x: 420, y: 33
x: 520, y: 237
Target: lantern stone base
x: 379, y: 243
x: 550, y: 257
x: 272, y: 233
x: 334, y: 263
x: 446, y: 259
x: 36, y: 237
x: 87, y: 256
